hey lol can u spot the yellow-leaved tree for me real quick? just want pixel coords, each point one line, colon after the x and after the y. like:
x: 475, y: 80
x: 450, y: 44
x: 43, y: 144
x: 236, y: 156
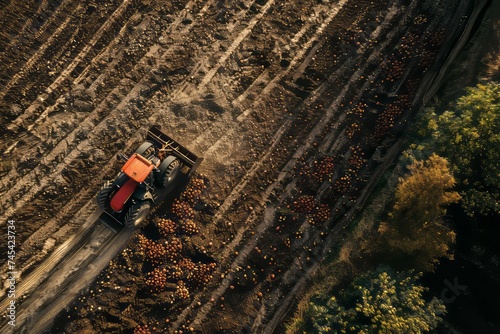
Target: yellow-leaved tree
x: 415, y: 229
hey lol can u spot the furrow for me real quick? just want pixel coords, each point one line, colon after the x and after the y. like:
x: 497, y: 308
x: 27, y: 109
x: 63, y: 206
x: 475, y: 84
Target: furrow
x: 267, y: 83
x: 63, y: 144
x: 83, y: 54
x: 33, y: 61
x: 206, y: 79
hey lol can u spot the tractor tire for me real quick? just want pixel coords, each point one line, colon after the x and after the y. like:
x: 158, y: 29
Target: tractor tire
x: 146, y: 149
x: 168, y: 171
x: 103, y: 195
x: 137, y: 213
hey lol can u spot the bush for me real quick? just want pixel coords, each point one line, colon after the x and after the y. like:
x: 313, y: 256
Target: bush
x: 382, y: 301
x: 469, y: 137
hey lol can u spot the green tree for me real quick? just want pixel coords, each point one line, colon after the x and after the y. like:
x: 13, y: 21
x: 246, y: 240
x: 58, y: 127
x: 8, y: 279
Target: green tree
x: 415, y: 228
x: 382, y: 301
x: 469, y: 137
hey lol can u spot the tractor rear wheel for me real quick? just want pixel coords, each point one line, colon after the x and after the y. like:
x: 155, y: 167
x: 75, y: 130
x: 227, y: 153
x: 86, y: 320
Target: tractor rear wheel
x: 146, y: 149
x: 168, y: 171
x: 103, y: 195
x: 137, y: 214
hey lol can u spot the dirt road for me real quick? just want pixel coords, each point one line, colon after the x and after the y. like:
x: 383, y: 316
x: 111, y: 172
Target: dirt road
x: 293, y: 104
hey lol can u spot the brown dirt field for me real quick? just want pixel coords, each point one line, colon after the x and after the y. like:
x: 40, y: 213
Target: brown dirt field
x: 295, y: 105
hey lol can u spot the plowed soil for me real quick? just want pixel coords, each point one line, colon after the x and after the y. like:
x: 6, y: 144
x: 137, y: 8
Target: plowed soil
x: 296, y: 107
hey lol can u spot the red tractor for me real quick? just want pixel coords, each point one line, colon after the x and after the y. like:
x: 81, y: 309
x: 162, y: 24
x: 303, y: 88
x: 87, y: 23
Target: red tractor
x: 145, y: 179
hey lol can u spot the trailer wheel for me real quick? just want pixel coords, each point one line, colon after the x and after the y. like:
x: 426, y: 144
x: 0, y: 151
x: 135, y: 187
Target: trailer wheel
x: 103, y: 195
x: 168, y: 171
x: 137, y: 214
x: 146, y: 149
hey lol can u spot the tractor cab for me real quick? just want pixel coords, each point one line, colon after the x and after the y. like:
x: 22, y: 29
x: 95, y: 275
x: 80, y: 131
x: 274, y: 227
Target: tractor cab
x: 138, y: 168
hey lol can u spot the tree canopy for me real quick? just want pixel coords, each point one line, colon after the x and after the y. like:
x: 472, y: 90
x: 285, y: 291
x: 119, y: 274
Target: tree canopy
x: 415, y: 227
x: 382, y: 301
x: 469, y: 137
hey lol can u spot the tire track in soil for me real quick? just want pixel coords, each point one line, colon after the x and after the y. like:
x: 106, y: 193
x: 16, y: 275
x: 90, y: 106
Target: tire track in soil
x: 233, y: 132
x: 72, y: 155
x: 63, y: 144
x: 270, y: 213
x: 263, y: 80
x: 39, y: 274
x: 35, y: 58
x: 63, y: 147
x: 49, y: 158
x: 92, y: 267
x: 288, y: 299
x: 8, y: 56
x: 65, y: 74
x: 92, y: 252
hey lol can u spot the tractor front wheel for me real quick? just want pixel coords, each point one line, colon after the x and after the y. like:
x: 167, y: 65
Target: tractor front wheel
x: 103, y: 195
x: 137, y: 213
